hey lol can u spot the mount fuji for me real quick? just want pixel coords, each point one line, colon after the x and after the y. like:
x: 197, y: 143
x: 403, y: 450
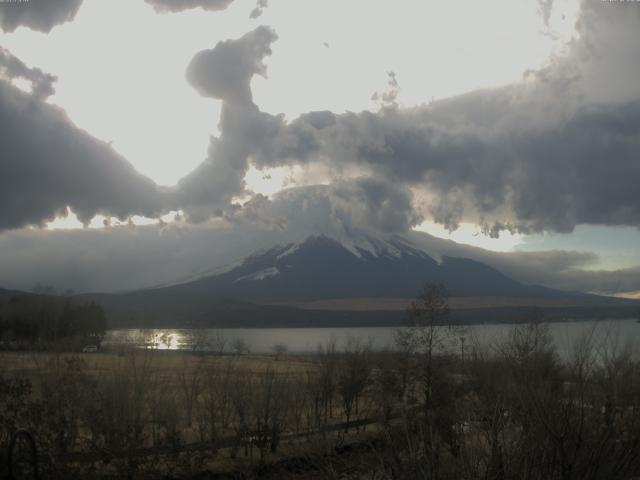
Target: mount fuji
x: 343, y: 280
x: 323, y: 267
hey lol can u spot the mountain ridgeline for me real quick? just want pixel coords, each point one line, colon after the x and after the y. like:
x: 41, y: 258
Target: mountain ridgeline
x: 323, y: 268
x: 290, y: 285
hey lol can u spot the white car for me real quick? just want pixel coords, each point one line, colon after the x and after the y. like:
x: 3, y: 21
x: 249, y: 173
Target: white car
x: 90, y: 349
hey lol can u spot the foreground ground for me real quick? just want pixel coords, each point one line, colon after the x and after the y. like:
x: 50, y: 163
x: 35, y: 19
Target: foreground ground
x: 512, y: 412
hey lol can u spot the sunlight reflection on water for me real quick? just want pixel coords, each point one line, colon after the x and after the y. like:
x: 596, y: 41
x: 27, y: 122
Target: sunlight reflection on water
x: 163, y: 340
x: 306, y: 340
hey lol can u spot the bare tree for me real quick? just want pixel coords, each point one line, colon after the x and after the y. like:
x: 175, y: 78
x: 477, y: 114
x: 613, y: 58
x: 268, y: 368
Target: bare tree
x: 190, y: 379
x: 387, y: 383
x: 426, y: 332
x: 218, y: 343
x: 197, y: 339
x: 240, y: 346
x: 279, y: 350
x: 216, y: 401
x: 326, y: 379
x: 271, y: 398
x: 353, y: 377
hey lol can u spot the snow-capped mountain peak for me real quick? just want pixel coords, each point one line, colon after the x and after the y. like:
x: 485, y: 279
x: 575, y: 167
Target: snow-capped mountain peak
x: 354, y: 266
x: 362, y: 245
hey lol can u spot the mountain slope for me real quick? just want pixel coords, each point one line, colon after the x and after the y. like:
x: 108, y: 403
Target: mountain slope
x: 289, y: 285
x: 8, y: 294
x: 321, y: 267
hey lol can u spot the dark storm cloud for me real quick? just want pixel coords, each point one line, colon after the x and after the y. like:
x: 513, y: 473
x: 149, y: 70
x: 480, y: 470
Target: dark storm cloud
x: 548, y: 153
x: 40, y: 15
x: 555, y: 150
x: 180, y: 5
x: 47, y: 165
x: 378, y: 204
x: 12, y: 67
x: 365, y: 203
x: 520, y: 173
x: 225, y: 73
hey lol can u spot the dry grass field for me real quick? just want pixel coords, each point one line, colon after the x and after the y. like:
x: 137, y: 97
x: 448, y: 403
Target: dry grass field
x: 513, y: 411
x: 401, y: 304
x: 171, y: 363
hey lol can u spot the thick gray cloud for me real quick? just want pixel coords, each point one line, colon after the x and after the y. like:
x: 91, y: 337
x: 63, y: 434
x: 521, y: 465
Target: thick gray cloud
x: 40, y: 15
x: 548, y: 153
x: 225, y: 73
x: 44, y: 15
x: 48, y: 164
x: 180, y: 5
x: 337, y: 209
x: 12, y: 67
x: 513, y: 172
x: 558, y: 149
x: 553, y: 151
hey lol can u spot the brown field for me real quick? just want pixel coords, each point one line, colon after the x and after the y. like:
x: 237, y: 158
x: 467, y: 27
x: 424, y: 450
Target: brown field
x: 182, y: 406
x: 401, y: 304
x: 171, y: 363
x: 514, y: 412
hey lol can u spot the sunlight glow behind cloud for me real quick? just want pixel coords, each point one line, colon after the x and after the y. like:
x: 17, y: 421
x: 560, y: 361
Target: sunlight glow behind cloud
x: 470, y: 234
x: 124, y: 81
x: 130, y: 88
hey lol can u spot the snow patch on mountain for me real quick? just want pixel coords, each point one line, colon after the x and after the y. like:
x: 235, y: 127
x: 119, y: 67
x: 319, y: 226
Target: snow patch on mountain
x: 361, y: 244
x: 259, y: 275
x: 365, y: 245
x: 424, y: 249
x: 289, y: 250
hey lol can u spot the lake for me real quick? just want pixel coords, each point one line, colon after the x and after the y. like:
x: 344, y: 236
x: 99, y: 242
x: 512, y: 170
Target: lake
x: 306, y: 340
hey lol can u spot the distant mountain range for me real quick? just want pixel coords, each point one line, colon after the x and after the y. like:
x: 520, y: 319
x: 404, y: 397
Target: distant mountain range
x: 347, y: 281
x: 7, y: 294
x: 350, y: 280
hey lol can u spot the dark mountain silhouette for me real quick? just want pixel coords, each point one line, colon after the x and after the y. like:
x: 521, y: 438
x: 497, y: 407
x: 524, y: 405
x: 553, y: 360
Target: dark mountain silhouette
x: 278, y: 287
x: 322, y: 268
x: 8, y: 294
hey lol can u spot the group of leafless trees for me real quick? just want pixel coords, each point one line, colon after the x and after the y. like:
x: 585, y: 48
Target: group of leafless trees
x: 423, y: 410
x: 513, y: 411
x: 139, y: 409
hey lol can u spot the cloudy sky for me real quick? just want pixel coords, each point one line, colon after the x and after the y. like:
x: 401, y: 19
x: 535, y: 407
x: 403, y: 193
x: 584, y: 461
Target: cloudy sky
x: 143, y: 141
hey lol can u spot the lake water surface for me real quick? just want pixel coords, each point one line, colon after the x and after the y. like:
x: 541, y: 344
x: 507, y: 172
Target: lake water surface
x: 306, y: 340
